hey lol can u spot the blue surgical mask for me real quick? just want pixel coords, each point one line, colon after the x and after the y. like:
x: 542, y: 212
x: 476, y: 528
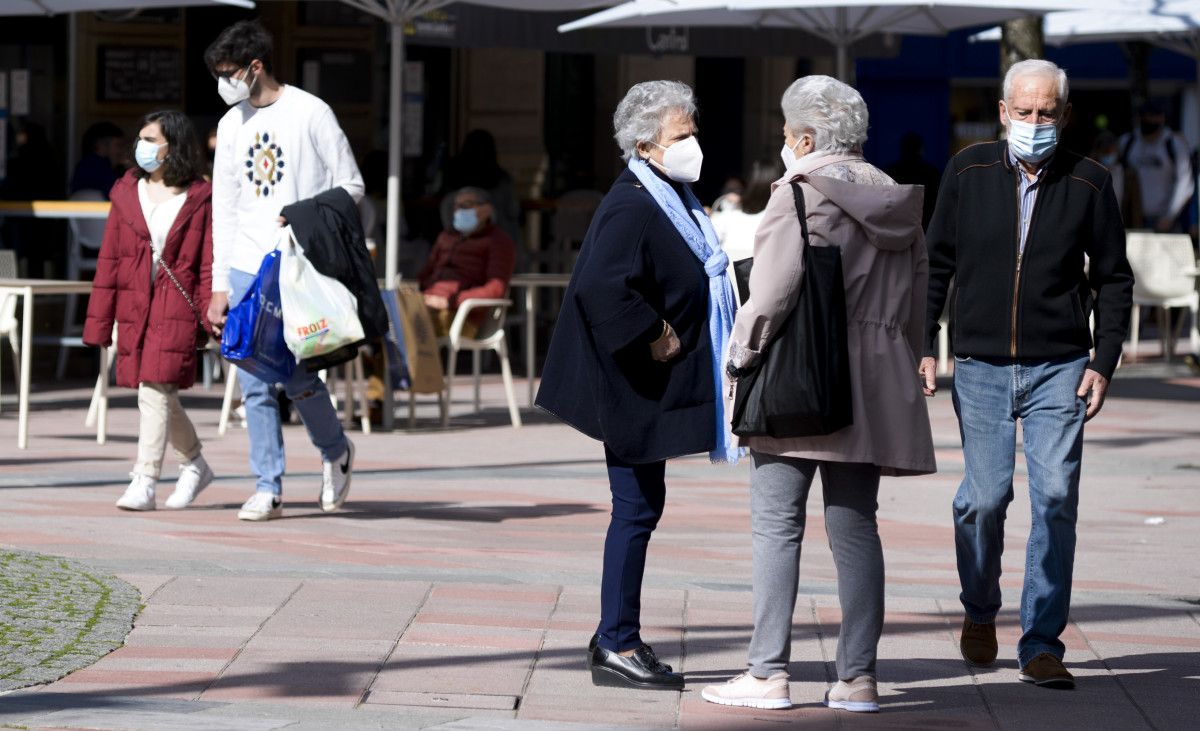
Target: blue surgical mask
x: 146, y: 155
x: 466, y: 220
x: 1032, y: 142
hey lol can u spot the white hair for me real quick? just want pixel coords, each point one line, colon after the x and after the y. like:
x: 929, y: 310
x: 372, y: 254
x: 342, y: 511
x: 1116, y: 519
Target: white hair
x: 640, y: 115
x: 832, y: 112
x: 1035, y: 67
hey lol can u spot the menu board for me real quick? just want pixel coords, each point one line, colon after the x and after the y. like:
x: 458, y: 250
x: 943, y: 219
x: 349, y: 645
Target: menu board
x: 139, y: 74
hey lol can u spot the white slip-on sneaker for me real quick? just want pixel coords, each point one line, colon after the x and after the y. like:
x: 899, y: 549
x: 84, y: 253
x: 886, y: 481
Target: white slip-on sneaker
x: 194, y: 476
x: 139, y: 495
x: 751, y: 692
x: 261, y: 506
x: 859, y: 695
x: 335, y: 480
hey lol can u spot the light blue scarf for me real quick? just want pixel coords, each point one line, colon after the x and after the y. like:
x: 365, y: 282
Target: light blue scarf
x: 698, y: 232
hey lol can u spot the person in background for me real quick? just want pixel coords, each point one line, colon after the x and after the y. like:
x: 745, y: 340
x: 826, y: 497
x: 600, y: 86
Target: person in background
x: 104, y: 156
x: 635, y: 356
x: 1014, y: 220
x: 911, y: 169
x: 277, y: 145
x: 1162, y: 161
x: 477, y: 165
x: 735, y: 227
x: 474, y: 260
x: 731, y: 196
x: 158, y: 298
x: 34, y: 173
x: 1107, y: 152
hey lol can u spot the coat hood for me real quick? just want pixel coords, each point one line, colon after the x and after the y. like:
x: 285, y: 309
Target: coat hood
x: 889, y: 214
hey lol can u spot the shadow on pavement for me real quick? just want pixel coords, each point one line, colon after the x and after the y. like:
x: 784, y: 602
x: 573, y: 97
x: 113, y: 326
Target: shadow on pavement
x: 1160, y: 677
x: 1155, y: 389
x: 384, y: 510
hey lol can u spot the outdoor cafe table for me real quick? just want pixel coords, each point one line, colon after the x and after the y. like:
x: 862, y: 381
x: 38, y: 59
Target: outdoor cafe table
x: 55, y: 209
x: 531, y: 282
x: 27, y: 290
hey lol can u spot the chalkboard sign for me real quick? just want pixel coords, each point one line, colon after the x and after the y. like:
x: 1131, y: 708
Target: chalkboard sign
x: 139, y: 74
x: 341, y: 76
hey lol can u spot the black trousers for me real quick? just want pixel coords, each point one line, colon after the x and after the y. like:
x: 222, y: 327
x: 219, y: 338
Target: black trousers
x: 638, y: 495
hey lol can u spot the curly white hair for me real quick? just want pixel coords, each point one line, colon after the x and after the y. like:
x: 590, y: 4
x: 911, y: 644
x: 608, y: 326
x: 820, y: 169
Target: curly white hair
x: 640, y: 115
x: 831, y: 111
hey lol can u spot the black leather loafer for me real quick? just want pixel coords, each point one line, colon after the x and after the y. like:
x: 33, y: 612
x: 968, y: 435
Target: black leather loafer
x: 592, y: 645
x: 640, y: 670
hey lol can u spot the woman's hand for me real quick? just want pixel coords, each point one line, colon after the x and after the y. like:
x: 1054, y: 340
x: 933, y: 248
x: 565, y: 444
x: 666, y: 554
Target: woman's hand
x: 667, y: 345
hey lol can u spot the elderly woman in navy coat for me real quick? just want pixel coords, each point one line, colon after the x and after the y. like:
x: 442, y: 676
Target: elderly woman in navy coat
x: 635, y: 353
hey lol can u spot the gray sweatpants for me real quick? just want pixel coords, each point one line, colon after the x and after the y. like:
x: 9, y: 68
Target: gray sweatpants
x: 778, y: 492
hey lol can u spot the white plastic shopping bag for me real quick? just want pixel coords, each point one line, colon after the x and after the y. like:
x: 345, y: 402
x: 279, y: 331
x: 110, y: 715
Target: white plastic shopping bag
x: 319, y: 313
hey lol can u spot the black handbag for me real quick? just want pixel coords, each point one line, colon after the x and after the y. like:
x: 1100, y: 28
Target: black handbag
x: 801, y: 386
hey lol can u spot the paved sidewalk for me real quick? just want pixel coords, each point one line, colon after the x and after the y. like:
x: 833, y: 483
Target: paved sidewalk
x: 458, y: 588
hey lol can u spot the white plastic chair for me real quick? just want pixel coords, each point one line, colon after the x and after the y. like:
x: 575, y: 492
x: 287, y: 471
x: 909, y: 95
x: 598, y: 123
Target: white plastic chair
x: 9, y: 327
x: 489, y: 336
x: 1161, y: 264
x: 83, y: 248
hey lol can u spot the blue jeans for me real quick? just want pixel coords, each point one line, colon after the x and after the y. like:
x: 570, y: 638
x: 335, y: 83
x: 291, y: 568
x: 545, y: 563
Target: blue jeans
x: 639, y: 493
x: 308, y: 395
x: 989, y: 397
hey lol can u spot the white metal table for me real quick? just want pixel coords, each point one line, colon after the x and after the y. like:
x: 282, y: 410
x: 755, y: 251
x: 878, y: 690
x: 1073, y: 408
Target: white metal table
x: 55, y: 209
x: 530, y: 283
x: 27, y: 290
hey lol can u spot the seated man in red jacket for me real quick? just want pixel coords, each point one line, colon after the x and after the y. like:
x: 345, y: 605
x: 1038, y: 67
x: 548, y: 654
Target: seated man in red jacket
x: 473, y: 260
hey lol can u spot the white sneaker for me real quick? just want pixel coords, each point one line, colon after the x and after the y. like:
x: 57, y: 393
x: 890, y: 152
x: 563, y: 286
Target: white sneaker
x: 139, y: 495
x: 193, y: 478
x: 751, y: 692
x: 335, y: 480
x: 859, y: 695
x: 261, y: 506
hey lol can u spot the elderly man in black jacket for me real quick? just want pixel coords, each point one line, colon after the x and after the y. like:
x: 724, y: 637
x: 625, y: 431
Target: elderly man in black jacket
x: 1014, y: 222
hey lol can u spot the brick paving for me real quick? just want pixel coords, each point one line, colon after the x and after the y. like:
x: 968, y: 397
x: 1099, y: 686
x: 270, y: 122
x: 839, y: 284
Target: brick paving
x: 458, y: 588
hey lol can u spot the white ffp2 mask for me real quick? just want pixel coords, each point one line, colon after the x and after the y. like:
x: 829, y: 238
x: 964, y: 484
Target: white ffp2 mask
x: 682, y: 161
x: 232, y: 90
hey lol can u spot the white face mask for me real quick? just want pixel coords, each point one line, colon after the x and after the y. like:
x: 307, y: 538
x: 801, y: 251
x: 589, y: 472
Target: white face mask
x: 788, y: 155
x: 682, y: 160
x: 232, y: 90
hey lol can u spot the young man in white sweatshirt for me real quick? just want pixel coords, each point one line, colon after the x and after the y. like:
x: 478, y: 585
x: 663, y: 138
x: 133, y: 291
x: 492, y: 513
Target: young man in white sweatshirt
x: 276, y: 145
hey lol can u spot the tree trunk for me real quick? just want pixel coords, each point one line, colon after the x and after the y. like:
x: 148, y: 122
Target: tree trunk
x: 1137, y: 53
x: 1021, y: 39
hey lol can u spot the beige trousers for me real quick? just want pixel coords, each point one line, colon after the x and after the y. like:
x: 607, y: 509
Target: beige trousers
x: 163, y: 419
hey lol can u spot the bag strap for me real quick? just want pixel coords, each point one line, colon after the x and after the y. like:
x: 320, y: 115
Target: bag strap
x: 171, y: 275
x: 801, y: 212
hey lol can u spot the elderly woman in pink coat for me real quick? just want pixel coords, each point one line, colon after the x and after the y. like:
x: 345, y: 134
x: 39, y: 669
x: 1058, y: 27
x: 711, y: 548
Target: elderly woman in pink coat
x: 876, y: 223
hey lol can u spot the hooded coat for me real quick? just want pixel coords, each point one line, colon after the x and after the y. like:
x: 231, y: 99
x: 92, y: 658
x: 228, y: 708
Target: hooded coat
x: 156, y: 329
x: 885, y: 269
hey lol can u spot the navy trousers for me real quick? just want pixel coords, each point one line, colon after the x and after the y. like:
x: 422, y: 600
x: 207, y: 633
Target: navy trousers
x: 638, y: 494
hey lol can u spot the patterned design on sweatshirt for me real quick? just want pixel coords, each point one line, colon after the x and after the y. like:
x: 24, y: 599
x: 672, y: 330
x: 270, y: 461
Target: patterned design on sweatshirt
x: 264, y: 164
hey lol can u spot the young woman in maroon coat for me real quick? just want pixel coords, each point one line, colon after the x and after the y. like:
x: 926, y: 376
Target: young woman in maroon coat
x: 153, y: 278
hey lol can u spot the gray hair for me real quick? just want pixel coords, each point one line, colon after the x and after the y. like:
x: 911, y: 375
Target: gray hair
x: 478, y: 194
x: 832, y: 112
x: 640, y: 115
x: 1035, y: 67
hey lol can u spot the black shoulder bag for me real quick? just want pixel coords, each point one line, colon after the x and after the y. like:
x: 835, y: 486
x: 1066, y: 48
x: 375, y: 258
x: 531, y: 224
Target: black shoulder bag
x: 801, y: 386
